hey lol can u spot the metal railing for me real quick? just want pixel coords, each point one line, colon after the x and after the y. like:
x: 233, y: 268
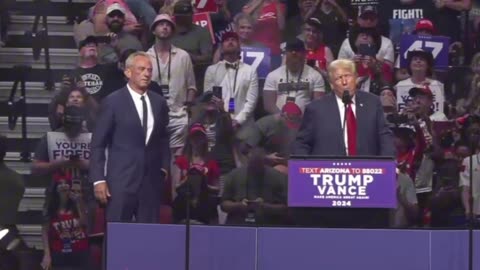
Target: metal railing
x: 39, y: 38
x: 18, y: 108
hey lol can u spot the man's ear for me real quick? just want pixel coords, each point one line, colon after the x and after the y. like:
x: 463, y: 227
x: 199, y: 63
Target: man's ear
x: 127, y: 72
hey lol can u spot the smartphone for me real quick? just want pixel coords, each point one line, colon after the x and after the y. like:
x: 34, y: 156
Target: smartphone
x: 217, y: 91
x: 367, y: 50
x: 103, y: 39
x: 311, y: 62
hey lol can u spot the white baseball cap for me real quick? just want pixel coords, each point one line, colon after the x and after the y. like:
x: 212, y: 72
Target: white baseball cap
x: 116, y: 6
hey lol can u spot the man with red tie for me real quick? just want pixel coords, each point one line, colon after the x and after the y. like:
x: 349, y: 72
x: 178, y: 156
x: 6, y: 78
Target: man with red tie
x: 346, y: 122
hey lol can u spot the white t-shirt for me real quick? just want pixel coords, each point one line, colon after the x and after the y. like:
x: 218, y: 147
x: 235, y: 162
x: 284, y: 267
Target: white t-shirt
x: 310, y: 77
x: 465, y: 180
x: 386, y: 50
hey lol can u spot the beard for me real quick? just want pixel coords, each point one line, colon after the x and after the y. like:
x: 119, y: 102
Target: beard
x: 115, y: 26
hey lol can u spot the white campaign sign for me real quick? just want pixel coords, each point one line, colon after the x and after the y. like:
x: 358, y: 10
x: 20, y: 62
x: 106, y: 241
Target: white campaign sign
x: 403, y: 97
x: 60, y: 147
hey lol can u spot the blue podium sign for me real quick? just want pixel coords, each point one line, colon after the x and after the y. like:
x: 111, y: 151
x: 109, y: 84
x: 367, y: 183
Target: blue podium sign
x: 342, y: 183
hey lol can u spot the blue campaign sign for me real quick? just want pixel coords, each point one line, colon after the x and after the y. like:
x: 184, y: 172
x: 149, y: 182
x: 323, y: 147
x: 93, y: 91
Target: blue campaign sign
x: 258, y: 58
x: 437, y: 45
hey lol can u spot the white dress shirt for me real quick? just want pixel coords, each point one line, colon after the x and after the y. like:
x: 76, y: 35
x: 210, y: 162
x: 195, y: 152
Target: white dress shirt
x: 341, y: 108
x: 137, y: 100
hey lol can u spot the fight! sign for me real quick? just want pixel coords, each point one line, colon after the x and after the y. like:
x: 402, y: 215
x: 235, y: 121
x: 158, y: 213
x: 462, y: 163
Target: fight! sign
x: 342, y: 183
x: 258, y: 58
x: 437, y: 45
x: 203, y: 20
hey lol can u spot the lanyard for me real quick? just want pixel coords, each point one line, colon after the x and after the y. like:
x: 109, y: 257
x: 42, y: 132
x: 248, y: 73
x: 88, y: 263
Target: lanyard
x: 299, y: 75
x: 158, y: 65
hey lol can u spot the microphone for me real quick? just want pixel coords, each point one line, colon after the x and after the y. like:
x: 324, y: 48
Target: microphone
x: 346, y: 98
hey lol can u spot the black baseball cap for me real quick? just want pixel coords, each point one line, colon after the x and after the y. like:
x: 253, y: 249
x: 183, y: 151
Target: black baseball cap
x: 87, y: 40
x: 315, y: 23
x: 295, y: 45
x: 363, y: 11
x: 183, y: 8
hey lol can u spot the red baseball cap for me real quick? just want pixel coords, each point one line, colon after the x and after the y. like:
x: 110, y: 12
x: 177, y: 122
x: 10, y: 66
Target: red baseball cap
x: 228, y: 35
x: 420, y: 91
x: 425, y: 25
x: 292, y: 114
x: 197, y: 127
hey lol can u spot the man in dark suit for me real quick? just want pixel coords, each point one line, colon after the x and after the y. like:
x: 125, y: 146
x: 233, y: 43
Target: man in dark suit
x: 365, y: 133
x: 132, y: 127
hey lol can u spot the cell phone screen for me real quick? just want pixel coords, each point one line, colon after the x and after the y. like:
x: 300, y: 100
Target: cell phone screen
x: 217, y: 91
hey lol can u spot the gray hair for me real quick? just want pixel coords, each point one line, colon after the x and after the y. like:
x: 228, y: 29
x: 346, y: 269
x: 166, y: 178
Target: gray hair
x: 341, y: 64
x: 131, y: 58
x: 242, y: 16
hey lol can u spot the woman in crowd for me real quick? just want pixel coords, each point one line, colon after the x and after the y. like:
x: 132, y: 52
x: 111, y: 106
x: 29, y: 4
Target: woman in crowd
x: 243, y: 25
x: 64, y: 230
x: 270, y: 22
x: 72, y: 95
x: 199, y: 175
x: 319, y: 55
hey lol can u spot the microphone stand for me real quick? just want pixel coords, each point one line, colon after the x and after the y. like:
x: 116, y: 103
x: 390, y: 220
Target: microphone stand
x: 187, y: 200
x: 471, y: 217
x: 346, y: 99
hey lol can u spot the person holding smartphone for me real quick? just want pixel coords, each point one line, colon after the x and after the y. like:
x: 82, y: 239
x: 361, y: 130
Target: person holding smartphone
x: 233, y: 82
x: 255, y: 193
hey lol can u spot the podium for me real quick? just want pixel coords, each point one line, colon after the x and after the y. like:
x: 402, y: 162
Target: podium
x: 342, y: 182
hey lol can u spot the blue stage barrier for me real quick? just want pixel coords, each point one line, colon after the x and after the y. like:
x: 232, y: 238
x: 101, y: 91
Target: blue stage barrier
x: 145, y: 247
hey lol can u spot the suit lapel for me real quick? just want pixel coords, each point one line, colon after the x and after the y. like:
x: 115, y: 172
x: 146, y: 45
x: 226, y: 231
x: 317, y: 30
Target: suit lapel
x: 336, y: 117
x: 360, y: 110
x: 130, y: 105
x: 155, y: 108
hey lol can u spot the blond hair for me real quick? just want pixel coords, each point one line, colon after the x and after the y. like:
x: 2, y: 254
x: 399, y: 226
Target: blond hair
x: 341, y: 64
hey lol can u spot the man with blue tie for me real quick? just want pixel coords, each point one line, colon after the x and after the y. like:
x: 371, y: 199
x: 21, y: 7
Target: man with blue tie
x: 131, y: 139
x: 346, y: 122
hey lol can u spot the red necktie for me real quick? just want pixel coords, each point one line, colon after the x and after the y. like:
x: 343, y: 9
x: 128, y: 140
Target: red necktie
x: 351, y: 131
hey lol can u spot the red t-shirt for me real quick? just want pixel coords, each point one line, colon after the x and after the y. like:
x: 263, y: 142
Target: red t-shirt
x: 66, y: 235
x: 267, y: 31
x: 210, y: 168
x: 319, y: 56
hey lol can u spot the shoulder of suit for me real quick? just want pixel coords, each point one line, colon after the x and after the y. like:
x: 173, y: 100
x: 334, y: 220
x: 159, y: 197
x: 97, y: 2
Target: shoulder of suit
x: 116, y: 94
x: 367, y: 96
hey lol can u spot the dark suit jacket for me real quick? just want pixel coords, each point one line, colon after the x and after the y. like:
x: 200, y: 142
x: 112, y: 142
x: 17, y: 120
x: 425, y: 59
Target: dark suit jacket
x: 321, y: 130
x: 120, y: 131
x: 321, y: 134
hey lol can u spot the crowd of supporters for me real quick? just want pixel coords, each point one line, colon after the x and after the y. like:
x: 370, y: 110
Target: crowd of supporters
x: 234, y: 120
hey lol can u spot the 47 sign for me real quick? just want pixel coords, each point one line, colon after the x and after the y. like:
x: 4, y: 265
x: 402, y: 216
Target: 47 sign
x: 437, y: 45
x: 258, y: 58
